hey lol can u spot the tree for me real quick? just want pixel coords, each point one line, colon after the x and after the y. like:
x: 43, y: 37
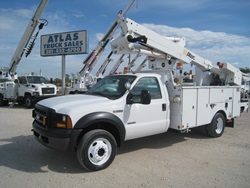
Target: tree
x: 67, y: 78
x: 245, y: 70
x: 57, y: 81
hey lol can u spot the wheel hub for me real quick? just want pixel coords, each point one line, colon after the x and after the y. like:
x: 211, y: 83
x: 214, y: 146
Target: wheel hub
x: 219, y: 125
x: 99, y: 151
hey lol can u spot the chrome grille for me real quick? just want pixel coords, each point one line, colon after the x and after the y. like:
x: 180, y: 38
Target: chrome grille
x: 48, y: 90
x: 42, y: 117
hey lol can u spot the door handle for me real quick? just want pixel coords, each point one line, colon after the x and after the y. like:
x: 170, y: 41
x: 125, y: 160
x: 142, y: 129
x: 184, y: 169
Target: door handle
x: 164, y: 107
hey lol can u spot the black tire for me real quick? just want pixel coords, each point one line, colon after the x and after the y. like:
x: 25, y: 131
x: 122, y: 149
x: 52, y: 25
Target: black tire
x: 3, y: 102
x: 96, y: 150
x: 28, y: 101
x: 217, y: 126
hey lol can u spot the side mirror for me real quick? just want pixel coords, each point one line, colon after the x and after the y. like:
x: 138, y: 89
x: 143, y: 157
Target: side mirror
x: 128, y: 86
x: 143, y: 98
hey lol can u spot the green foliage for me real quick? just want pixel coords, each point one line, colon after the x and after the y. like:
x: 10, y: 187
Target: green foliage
x: 58, y: 81
x: 245, y: 70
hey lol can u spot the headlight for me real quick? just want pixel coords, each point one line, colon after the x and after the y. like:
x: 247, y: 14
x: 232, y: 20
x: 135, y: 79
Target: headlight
x: 35, y: 93
x: 62, y: 121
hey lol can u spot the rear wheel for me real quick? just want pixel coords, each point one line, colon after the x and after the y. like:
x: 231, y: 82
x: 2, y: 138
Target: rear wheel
x: 217, y: 126
x: 96, y: 150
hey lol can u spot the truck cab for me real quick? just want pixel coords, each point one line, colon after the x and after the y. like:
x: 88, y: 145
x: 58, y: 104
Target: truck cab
x: 34, y: 88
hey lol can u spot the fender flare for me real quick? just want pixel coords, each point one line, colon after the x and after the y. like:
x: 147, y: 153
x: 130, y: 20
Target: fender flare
x: 86, y: 121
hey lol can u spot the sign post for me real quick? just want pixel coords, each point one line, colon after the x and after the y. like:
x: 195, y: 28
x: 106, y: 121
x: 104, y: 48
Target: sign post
x: 62, y: 44
x: 63, y: 74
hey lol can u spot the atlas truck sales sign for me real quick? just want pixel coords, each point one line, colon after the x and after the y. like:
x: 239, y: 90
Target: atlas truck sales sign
x: 68, y: 43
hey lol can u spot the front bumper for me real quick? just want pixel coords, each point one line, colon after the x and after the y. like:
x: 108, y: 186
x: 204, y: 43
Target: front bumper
x: 58, y: 139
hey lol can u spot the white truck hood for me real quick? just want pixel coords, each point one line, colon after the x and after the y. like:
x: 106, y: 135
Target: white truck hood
x: 72, y: 103
x: 43, y: 85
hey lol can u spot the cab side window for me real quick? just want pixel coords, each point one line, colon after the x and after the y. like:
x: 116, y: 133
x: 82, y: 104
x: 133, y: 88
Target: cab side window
x: 23, y: 80
x: 148, y: 83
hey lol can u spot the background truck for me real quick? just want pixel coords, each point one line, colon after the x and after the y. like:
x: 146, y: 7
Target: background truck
x: 28, y: 89
x: 133, y: 105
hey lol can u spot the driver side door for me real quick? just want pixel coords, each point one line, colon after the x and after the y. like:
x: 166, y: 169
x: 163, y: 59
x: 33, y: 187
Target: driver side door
x: 22, y: 86
x: 144, y: 120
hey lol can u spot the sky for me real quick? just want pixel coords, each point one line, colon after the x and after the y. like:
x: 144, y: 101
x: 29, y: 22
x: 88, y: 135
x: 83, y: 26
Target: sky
x: 216, y: 30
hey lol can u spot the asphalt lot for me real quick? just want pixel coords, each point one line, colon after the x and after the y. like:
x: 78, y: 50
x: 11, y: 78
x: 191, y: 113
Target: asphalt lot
x: 167, y: 160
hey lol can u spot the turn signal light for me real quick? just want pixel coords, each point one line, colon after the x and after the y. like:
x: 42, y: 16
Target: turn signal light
x: 62, y: 121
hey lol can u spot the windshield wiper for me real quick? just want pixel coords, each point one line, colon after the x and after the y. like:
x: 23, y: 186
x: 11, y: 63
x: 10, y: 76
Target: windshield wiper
x: 97, y: 93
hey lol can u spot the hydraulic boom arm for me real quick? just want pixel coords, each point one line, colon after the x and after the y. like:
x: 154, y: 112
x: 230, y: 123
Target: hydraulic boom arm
x: 26, y: 37
x: 91, y: 60
x: 117, y: 64
x: 103, y: 67
x: 136, y: 38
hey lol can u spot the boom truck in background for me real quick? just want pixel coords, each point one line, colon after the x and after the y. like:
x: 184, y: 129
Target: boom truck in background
x: 84, y: 79
x: 29, y: 88
x: 127, y: 106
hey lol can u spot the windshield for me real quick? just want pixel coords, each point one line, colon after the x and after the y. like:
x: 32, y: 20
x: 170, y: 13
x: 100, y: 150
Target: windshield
x: 37, y: 80
x: 112, y: 87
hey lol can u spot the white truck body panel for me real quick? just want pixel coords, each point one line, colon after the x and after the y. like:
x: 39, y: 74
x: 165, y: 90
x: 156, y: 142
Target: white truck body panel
x: 198, y: 105
x: 9, y: 89
x: 144, y: 120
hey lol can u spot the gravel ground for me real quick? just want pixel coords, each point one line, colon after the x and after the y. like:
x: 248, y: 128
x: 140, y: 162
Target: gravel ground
x: 167, y: 160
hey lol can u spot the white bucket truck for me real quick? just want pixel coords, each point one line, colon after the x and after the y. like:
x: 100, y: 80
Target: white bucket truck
x: 133, y: 105
x: 27, y: 89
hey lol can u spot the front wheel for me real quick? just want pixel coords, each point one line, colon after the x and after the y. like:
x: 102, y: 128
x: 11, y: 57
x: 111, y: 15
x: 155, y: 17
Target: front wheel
x: 29, y: 102
x: 96, y: 150
x: 217, y: 126
x: 3, y: 102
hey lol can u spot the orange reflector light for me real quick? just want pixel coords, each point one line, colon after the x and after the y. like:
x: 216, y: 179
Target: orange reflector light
x: 69, y: 123
x: 179, y: 65
x: 126, y: 70
x: 60, y: 125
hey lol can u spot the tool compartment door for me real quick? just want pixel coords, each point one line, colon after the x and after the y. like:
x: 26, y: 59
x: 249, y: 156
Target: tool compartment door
x: 203, y: 107
x: 189, y: 107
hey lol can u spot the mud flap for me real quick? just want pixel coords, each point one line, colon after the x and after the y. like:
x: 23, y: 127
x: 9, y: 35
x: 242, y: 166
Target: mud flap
x: 230, y: 123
